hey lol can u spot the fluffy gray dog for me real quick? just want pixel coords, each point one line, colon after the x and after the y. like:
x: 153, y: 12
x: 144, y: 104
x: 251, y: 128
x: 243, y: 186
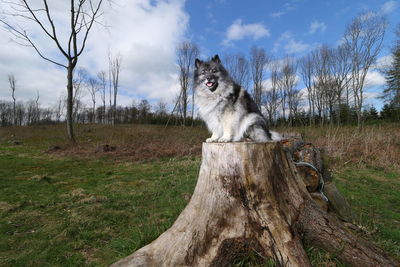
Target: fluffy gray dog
x: 228, y: 110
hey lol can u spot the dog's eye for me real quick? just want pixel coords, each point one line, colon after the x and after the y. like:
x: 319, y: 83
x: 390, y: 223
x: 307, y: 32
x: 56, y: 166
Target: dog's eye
x: 214, y: 70
x: 203, y: 72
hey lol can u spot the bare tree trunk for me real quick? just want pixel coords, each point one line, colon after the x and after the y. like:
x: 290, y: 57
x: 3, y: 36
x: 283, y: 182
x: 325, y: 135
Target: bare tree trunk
x: 37, y: 109
x: 101, y: 76
x: 175, y: 107
x: 184, y: 103
x: 192, y: 108
x: 258, y: 63
x: 70, y: 96
x: 186, y: 54
x: 12, y: 81
x: 249, y: 197
x: 114, y: 106
x: 114, y: 70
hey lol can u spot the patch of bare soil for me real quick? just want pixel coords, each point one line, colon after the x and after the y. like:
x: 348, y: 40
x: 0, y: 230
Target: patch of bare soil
x: 145, y: 144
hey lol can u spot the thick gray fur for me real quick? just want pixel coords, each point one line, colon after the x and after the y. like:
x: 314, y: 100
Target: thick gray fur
x: 228, y: 110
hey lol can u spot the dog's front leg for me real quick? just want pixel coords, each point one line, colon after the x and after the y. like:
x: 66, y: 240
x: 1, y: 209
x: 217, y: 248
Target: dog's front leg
x: 227, y: 129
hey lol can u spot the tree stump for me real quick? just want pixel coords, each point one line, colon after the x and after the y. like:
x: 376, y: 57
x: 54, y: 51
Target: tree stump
x: 249, y: 197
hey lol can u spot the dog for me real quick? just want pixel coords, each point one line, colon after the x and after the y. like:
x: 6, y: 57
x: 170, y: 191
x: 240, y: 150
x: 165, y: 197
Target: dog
x: 228, y: 110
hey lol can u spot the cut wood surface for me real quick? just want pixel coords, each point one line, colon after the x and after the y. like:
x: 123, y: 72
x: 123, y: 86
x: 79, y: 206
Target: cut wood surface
x: 250, y: 197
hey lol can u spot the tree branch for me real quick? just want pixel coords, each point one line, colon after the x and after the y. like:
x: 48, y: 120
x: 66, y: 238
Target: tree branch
x: 23, y: 36
x: 37, y: 20
x: 53, y: 27
x: 95, y: 11
x: 74, y: 21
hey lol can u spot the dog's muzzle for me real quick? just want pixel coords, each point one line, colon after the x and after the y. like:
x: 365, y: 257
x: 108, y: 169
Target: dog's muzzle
x: 212, y: 85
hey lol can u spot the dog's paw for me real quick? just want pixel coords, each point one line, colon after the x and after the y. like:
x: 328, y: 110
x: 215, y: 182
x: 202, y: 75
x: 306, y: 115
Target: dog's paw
x: 224, y: 140
x: 211, y: 140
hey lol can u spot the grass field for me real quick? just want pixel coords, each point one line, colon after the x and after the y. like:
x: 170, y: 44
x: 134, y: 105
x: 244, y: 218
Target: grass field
x: 86, y: 206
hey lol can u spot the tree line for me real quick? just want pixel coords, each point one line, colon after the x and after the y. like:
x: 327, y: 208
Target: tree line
x: 334, y: 79
x: 28, y: 113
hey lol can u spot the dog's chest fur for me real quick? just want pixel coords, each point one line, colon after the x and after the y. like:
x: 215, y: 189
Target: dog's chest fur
x: 221, y: 108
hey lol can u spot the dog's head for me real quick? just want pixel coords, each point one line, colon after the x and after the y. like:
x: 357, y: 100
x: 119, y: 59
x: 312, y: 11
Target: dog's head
x: 208, y: 74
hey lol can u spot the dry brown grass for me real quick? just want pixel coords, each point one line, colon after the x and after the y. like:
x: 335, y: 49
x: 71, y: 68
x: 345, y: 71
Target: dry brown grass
x: 132, y: 142
x: 140, y: 142
x: 377, y: 145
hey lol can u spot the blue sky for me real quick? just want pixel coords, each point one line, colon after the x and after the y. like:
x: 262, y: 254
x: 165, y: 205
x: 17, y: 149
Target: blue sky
x: 307, y: 22
x: 284, y: 28
x: 146, y: 33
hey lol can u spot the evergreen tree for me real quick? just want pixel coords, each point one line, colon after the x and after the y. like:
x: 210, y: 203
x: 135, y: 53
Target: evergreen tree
x: 371, y: 114
x: 392, y: 75
x: 390, y: 112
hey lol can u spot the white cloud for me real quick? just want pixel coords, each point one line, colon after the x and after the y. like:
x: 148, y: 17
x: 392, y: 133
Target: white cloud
x: 316, y: 26
x: 267, y: 84
x: 374, y: 78
x: 383, y: 62
x: 31, y: 72
x: 287, y: 7
x: 277, y: 14
x: 144, y: 32
x: 371, y: 95
x: 289, y: 44
x: 293, y: 46
x: 388, y: 7
x: 238, y: 31
x: 341, y: 41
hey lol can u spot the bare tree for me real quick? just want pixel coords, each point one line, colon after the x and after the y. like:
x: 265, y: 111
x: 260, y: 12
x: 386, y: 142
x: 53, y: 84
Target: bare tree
x: 78, y: 84
x: 12, y: 81
x: 161, y: 108
x: 258, y: 63
x: 296, y: 99
x: 92, y: 87
x: 271, y: 98
x: 324, y: 85
x: 186, y: 55
x: 144, y: 109
x: 30, y: 112
x: 21, y: 114
x: 82, y: 16
x: 35, y: 109
x: 364, y: 36
x: 288, y: 82
x: 341, y: 65
x: 114, y: 71
x: 59, y: 108
x: 306, y: 65
x: 177, y: 109
x: 110, y: 92
x: 101, y: 76
x: 238, y: 67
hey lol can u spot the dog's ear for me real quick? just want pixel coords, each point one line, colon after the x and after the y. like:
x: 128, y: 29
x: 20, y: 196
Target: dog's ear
x: 197, y: 62
x: 216, y: 59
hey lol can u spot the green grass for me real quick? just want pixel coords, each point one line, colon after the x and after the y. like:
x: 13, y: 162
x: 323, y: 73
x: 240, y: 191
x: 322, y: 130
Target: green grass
x: 374, y: 194
x: 78, y: 207
x: 72, y: 212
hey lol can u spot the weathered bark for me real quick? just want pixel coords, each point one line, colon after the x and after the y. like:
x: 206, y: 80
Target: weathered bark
x: 249, y: 196
x: 70, y: 96
x: 324, y: 231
